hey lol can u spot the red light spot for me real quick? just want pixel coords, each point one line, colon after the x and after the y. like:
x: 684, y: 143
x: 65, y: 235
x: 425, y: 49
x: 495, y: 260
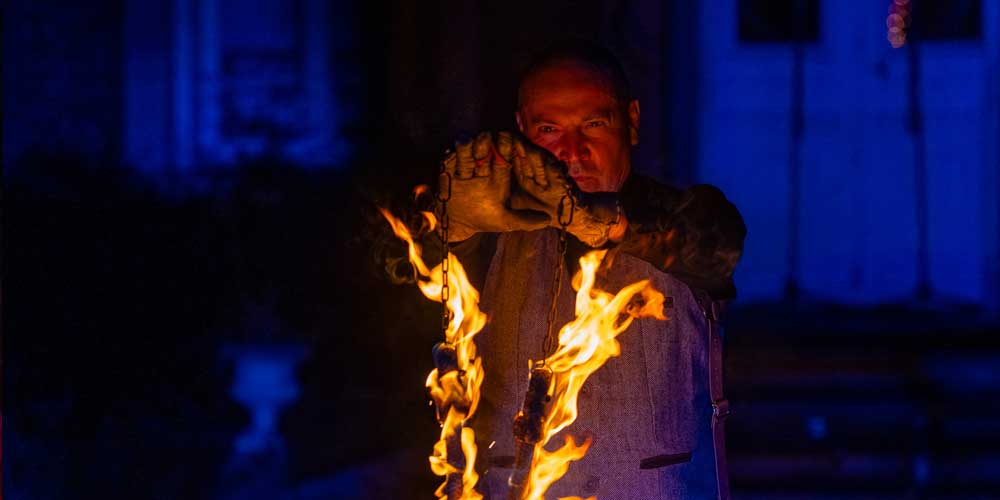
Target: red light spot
x: 896, y: 40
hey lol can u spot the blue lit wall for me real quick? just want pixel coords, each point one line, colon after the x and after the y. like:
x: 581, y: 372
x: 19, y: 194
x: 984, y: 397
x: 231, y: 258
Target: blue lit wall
x: 857, y: 241
x: 61, y: 78
x: 223, y: 81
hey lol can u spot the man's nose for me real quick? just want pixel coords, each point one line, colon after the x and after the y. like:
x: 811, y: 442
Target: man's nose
x: 573, y: 147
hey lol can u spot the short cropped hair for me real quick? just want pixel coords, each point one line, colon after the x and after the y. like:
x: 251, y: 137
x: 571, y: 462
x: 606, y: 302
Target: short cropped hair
x: 585, y: 52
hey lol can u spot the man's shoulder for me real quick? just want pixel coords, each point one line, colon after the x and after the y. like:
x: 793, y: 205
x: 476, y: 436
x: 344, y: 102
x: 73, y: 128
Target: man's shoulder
x: 696, y: 234
x: 648, y: 201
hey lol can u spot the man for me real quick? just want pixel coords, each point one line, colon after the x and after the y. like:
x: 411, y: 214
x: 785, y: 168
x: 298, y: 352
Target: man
x: 648, y: 411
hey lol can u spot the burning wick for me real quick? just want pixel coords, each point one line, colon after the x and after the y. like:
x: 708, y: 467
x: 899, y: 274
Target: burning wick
x: 585, y: 344
x: 458, y: 374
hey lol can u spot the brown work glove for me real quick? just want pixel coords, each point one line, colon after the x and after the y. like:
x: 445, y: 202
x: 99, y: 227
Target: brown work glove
x: 480, y: 172
x: 542, y: 182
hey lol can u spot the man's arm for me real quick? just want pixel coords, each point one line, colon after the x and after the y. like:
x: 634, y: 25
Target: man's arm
x: 696, y: 234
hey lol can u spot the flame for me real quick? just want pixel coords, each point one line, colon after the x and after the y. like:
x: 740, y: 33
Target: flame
x: 420, y: 191
x: 585, y: 344
x: 456, y: 390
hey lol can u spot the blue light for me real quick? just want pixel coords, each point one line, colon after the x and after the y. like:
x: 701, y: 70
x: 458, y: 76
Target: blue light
x: 816, y: 427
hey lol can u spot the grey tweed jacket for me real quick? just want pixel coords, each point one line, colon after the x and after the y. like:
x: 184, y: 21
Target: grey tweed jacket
x: 646, y: 410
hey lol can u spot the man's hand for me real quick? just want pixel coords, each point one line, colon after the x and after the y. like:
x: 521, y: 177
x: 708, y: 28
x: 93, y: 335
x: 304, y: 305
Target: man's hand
x: 480, y: 171
x: 543, y: 182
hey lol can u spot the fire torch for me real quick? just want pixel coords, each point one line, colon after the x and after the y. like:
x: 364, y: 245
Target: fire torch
x: 446, y: 362
x: 528, y: 427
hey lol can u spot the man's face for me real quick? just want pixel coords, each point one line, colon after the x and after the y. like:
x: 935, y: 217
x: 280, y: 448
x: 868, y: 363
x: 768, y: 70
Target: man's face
x: 569, y: 109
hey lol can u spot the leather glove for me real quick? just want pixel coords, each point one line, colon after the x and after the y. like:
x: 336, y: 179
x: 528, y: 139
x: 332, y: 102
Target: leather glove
x: 542, y: 182
x: 480, y: 171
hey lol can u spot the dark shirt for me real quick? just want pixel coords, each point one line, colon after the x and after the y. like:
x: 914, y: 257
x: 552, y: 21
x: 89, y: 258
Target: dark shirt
x: 695, y: 234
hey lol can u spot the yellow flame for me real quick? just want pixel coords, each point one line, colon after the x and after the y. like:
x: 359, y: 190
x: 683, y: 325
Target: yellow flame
x: 585, y: 344
x: 455, y: 390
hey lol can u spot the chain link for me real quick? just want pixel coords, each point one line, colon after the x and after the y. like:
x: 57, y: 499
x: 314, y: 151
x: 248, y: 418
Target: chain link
x: 444, y: 194
x: 549, y: 344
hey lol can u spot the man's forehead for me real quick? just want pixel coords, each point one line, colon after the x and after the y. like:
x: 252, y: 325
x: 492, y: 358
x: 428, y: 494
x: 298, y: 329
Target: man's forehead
x: 564, y: 78
x: 553, y: 111
x: 567, y: 92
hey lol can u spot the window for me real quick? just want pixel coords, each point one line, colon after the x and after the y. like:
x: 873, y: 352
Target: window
x: 777, y: 21
x: 946, y: 19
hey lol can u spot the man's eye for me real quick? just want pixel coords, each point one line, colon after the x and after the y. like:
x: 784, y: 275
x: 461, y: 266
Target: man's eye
x: 546, y: 129
x: 595, y: 123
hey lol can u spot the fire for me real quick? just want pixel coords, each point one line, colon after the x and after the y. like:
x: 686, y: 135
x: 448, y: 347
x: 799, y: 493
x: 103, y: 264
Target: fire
x: 454, y: 384
x: 585, y: 344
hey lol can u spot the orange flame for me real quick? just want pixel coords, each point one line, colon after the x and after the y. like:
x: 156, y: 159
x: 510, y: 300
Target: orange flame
x: 585, y: 344
x: 457, y: 390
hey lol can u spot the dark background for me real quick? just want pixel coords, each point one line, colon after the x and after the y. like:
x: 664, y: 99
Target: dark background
x: 150, y: 250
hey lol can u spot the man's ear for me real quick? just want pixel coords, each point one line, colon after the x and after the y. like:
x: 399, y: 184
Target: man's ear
x: 520, y: 123
x: 633, y: 121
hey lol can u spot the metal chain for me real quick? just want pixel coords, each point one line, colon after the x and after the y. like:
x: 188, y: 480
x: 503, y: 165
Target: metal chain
x: 550, y: 342
x: 444, y: 194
